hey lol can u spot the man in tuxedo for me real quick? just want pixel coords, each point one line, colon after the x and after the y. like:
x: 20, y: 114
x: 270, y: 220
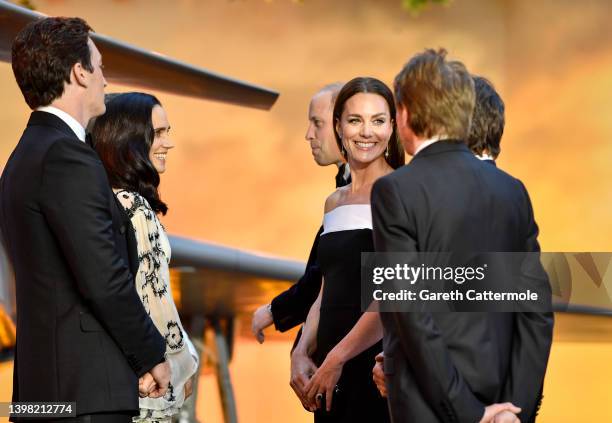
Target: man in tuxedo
x: 484, y: 140
x: 446, y: 367
x: 290, y: 308
x: 82, y: 332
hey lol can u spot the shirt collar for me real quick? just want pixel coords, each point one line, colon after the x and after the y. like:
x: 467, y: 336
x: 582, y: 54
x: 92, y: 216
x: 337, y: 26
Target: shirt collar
x: 76, y: 127
x: 485, y: 156
x: 429, y: 142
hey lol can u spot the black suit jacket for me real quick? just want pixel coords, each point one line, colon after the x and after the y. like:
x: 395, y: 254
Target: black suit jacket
x: 82, y: 332
x: 290, y: 308
x: 446, y: 367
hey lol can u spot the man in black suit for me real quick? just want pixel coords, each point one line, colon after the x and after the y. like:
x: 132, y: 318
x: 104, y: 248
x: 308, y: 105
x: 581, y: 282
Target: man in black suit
x: 82, y: 332
x: 484, y: 140
x: 290, y: 308
x: 447, y: 367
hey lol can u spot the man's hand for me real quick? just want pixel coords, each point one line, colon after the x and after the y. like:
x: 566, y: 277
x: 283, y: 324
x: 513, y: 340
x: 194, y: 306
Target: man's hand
x: 493, y: 410
x: 262, y: 318
x: 161, y: 374
x: 506, y: 417
x: 378, y: 375
x: 302, y: 369
x: 146, y: 384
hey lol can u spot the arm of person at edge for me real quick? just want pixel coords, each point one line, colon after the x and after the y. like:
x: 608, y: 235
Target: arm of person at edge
x: 422, y: 342
x: 533, y: 330
x: 290, y: 308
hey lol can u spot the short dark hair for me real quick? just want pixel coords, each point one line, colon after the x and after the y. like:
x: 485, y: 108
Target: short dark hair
x: 123, y: 137
x: 43, y: 55
x: 438, y: 93
x: 488, y: 119
x: 358, y: 85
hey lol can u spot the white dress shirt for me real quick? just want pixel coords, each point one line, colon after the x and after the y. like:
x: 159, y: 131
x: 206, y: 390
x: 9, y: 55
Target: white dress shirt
x: 76, y: 127
x: 485, y: 156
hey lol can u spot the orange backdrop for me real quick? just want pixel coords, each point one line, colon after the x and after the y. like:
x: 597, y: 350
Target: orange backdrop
x: 246, y: 178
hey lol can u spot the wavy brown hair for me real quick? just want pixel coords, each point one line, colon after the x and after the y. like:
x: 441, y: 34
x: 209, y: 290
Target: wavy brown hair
x: 123, y: 137
x: 43, y: 54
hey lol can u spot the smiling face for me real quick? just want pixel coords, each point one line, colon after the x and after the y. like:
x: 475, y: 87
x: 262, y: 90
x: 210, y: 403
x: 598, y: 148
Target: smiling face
x: 162, y: 142
x: 365, y: 127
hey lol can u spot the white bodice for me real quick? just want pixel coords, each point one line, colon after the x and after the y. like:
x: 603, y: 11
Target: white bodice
x: 347, y: 217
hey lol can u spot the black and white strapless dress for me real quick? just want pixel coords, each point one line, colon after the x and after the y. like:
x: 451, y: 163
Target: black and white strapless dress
x: 347, y: 231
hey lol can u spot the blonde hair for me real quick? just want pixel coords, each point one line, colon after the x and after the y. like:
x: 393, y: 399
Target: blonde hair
x: 438, y: 94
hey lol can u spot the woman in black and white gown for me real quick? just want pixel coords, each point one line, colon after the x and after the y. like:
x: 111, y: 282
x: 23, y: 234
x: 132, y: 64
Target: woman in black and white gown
x: 341, y: 339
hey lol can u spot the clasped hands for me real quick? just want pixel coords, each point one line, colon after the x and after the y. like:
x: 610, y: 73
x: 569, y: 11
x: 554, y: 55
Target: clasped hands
x: 154, y: 383
x: 312, y: 384
x: 495, y: 413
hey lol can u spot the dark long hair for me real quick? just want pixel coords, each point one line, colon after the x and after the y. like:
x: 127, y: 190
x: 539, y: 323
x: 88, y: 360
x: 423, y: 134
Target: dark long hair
x: 358, y: 85
x: 123, y: 137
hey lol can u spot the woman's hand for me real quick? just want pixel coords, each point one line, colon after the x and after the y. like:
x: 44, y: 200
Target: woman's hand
x: 188, y: 387
x: 324, y: 381
x: 302, y: 368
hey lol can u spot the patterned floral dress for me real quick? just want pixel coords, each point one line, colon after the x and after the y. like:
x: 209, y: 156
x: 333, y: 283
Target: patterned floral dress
x: 153, y: 287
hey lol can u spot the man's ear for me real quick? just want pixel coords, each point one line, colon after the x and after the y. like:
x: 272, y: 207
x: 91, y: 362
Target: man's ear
x: 80, y: 75
x: 403, y: 115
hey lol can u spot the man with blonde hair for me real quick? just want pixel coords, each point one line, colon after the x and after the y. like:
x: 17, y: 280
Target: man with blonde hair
x: 448, y: 366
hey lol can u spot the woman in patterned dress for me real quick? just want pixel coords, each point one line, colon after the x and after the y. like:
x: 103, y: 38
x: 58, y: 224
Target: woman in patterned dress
x: 132, y: 141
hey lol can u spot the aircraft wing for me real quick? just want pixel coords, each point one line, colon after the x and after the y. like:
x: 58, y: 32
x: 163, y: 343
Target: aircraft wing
x: 129, y: 65
x: 211, y: 279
